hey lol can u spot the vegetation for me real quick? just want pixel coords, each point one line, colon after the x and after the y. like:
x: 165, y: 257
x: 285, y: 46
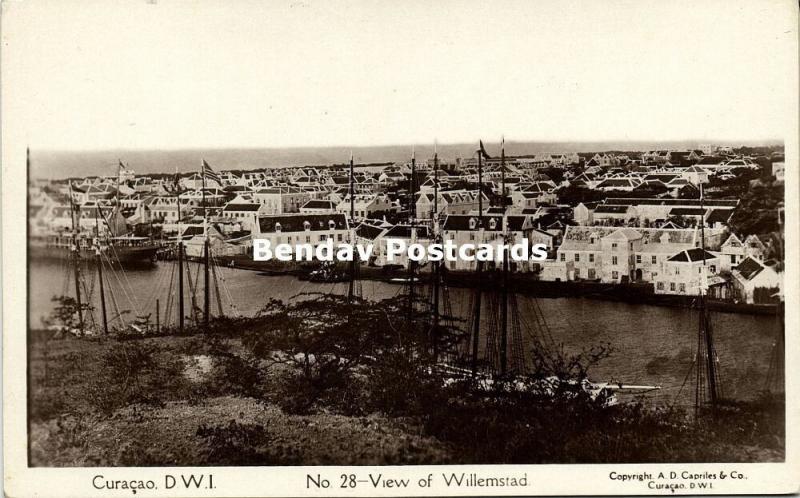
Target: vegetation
x: 758, y: 209
x: 325, y: 380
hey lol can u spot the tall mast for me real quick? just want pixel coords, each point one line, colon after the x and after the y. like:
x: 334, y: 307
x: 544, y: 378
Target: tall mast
x: 436, y: 268
x: 412, y: 236
x: 503, y: 173
x: 99, y: 263
x: 180, y: 254
x: 411, y: 189
x: 206, y: 293
x: 352, y: 276
x: 435, y: 216
x: 476, y: 324
x: 480, y: 186
x: 180, y: 283
x: 504, y: 284
x: 76, y: 257
x: 706, y: 339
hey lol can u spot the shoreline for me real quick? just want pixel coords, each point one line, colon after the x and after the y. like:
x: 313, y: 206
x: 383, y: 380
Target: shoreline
x: 523, y: 283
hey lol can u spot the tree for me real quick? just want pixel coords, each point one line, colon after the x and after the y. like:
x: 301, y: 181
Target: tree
x: 65, y: 314
x: 575, y: 195
x: 325, y: 342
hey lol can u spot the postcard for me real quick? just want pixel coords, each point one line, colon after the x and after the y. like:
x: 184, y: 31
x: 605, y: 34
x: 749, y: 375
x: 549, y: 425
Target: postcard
x: 348, y: 248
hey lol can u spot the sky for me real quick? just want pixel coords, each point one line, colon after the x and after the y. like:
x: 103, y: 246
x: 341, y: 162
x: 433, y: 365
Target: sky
x: 162, y: 74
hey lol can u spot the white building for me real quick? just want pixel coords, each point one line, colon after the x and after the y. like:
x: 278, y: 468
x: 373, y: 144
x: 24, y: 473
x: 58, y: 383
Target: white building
x: 754, y: 282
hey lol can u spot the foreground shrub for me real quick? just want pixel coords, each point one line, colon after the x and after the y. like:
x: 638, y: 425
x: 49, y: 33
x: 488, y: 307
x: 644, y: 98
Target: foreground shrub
x: 129, y: 373
x: 242, y: 444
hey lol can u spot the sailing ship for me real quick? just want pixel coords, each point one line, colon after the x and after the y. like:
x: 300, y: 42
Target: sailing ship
x: 108, y: 234
x: 126, y: 249
x: 503, y: 367
x: 708, y: 385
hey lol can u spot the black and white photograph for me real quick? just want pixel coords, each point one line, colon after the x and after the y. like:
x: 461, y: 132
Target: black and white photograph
x: 301, y: 233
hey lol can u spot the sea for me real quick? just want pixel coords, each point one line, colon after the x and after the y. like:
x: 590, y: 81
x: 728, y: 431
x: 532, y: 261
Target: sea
x: 59, y: 164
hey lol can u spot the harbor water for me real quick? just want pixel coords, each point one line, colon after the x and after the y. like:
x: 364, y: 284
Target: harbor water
x: 651, y: 345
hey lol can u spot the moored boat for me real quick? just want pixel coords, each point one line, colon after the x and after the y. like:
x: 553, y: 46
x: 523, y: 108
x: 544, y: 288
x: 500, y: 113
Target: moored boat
x: 124, y: 249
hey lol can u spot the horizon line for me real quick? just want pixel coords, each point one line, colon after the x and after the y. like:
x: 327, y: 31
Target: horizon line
x: 432, y: 144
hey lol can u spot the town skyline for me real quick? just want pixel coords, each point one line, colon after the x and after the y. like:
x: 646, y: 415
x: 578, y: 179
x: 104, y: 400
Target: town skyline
x: 61, y: 164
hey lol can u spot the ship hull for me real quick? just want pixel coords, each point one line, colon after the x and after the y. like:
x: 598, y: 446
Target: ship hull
x: 124, y: 255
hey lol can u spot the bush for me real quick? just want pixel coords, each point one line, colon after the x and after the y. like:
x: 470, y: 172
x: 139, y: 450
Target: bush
x: 396, y: 386
x: 129, y: 373
x: 242, y: 444
x: 234, y: 374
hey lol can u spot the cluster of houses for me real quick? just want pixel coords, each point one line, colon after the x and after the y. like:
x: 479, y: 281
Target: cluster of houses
x: 622, y: 238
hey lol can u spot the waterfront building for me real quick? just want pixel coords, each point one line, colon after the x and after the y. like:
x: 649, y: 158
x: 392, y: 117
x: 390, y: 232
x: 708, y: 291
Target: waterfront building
x: 755, y: 282
x: 625, y: 254
x: 686, y: 272
x: 159, y: 209
x: 489, y: 229
x: 302, y: 228
x: 246, y: 213
x: 418, y: 234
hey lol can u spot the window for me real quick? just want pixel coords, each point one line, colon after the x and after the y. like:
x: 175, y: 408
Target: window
x: 339, y: 238
x: 672, y: 286
x: 613, y: 260
x: 577, y: 257
x: 563, y: 257
x: 654, y: 259
x: 613, y: 245
x: 682, y: 288
x: 577, y: 273
x: 614, y: 275
x: 638, y: 258
x: 733, y: 258
x: 713, y: 269
x: 308, y: 238
x: 591, y: 257
x: 660, y: 286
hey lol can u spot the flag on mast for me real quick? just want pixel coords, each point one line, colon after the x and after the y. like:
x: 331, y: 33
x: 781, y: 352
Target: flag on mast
x: 482, y: 151
x: 209, y: 173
